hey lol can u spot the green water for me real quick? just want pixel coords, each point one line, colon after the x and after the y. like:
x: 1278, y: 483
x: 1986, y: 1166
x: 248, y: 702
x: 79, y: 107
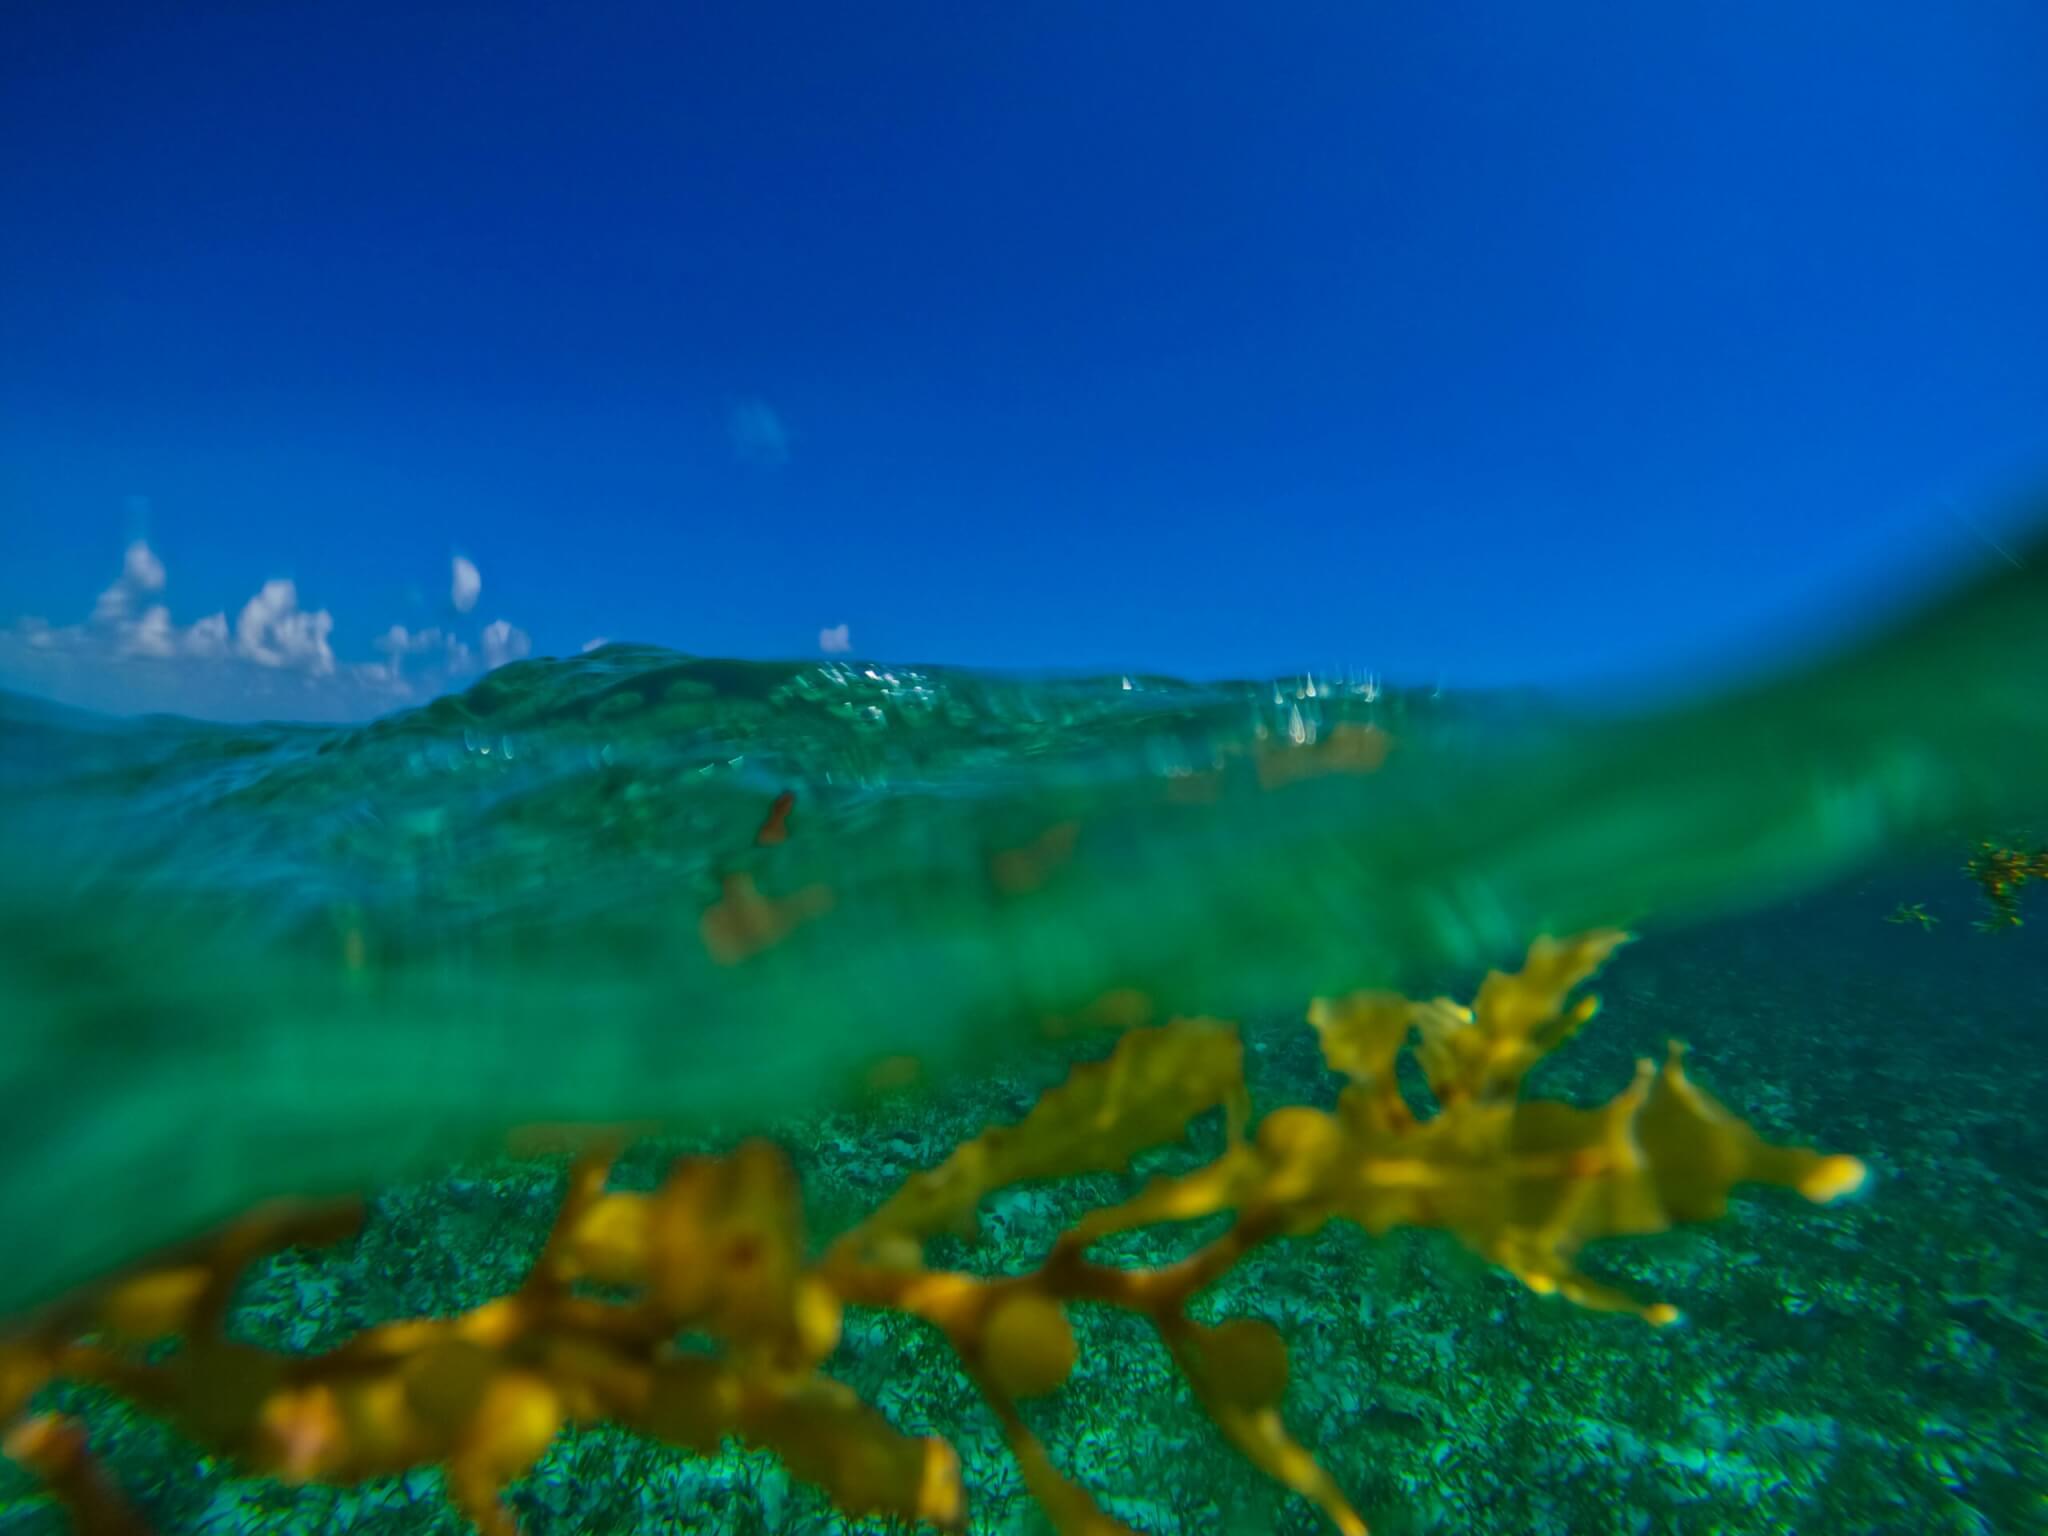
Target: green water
x: 238, y: 962
x: 242, y: 961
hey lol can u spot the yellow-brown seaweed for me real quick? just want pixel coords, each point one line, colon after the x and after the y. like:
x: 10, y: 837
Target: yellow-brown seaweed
x: 718, y: 1249
x: 2000, y: 872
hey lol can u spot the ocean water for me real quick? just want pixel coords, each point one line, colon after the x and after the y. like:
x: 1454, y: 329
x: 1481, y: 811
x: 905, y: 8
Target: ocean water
x: 842, y: 903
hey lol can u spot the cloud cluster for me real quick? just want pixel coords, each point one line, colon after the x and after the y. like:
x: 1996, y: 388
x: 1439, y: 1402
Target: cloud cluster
x: 276, y: 659
x: 128, y: 628
x: 274, y: 631
x: 141, y: 573
x: 449, y: 655
x: 835, y: 641
x: 504, y: 642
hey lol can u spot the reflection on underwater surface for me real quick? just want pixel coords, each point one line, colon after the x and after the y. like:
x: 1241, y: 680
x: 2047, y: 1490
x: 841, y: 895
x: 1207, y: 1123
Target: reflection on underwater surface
x: 240, y: 962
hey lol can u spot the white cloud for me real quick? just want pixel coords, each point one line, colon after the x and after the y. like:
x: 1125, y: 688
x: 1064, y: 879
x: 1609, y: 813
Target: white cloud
x: 381, y: 677
x: 275, y: 659
x: 274, y: 631
x: 758, y: 434
x: 504, y: 642
x: 596, y: 642
x: 142, y: 570
x: 835, y: 640
x: 399, y: 641
x: 208, y: 638
x: 149, y: 635
x: 114, y: 629
x: 465, y: 582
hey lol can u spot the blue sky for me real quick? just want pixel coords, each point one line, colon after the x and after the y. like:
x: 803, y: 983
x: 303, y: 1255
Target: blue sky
x: 1482, y: 343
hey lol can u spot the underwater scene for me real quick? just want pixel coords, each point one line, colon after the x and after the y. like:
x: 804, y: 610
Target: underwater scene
x: 802, y: 1097
x: 1162, y: 769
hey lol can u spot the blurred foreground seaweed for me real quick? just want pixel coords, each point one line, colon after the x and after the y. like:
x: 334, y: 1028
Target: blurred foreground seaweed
x: 717, y: 1251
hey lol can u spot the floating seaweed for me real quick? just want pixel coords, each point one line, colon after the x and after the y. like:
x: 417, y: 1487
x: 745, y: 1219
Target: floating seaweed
x: 2000, y: 872
x: 718, y: 1250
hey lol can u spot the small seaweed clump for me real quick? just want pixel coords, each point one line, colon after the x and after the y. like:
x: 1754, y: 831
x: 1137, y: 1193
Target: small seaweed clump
x: 2000, y: 871
x: 717, y: 1251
